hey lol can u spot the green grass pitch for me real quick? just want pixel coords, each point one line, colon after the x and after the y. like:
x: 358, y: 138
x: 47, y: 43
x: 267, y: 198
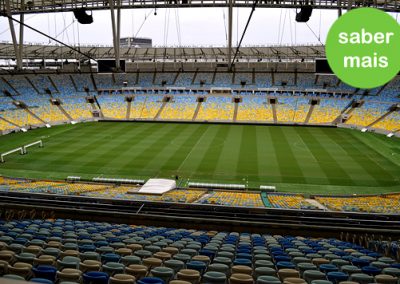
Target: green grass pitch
x: 295, y: 159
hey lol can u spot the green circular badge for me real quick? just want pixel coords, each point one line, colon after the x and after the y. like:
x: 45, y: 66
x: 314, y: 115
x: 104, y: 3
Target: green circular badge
x: 363, y: 48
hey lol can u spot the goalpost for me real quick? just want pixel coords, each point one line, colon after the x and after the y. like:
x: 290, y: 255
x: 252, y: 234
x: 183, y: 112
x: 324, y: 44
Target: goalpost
x: 40, y: 142
x: 10, y: 152
x: 22, y: 149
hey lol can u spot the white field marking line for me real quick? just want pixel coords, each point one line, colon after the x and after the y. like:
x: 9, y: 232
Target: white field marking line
x: 191, y: 151
x: 305, y: 148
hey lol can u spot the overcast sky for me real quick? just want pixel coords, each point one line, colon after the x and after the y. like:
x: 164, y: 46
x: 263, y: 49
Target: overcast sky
x: 183, y: 27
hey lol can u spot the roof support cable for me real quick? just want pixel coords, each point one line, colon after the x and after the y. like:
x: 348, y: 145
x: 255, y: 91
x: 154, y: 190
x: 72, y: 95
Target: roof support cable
x: 50, y: 37
x: 245, y: 29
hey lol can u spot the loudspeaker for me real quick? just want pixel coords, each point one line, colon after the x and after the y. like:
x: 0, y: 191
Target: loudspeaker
x: 243, y: 83
x: 82, y: 17
x: 304, y: 15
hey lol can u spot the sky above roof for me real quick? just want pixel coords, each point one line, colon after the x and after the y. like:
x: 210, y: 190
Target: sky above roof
x: 183, y: 27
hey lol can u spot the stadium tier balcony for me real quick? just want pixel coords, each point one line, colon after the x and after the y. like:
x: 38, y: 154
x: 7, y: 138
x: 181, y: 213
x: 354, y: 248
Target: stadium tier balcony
x: 53, y: 251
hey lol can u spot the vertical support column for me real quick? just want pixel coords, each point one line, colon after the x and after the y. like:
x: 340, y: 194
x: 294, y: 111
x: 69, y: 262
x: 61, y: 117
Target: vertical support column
x: 13, y: 35
x: 115, y: 31
x: 230, y: 20
x: 21, y: 34
x: 21, y: 31
x: 118, y: 57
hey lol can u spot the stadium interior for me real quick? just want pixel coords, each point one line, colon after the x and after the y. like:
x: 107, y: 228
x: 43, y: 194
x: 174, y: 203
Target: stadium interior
x: 107, y: 175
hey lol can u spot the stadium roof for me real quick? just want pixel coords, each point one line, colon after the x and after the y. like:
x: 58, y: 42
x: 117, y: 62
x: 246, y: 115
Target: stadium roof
x: 46, y: 6
x: 199, y: 54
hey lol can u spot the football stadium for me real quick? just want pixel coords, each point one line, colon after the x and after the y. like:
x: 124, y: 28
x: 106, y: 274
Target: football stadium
x: 150, y: 162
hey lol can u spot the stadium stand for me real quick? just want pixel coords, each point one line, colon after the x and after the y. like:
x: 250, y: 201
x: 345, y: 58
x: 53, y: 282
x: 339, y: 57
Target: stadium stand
x: 328, y: 110
x: 216, y: 108
x: 20, y: 117
x: 293, y: 201
x: 181, y: 108
x: 255, y: 109
x: 232, y: 198
x: 22, y: 86
x: 77, y: 108
x: 81, y: 81
x: 368, y: 113
x: 113, y: 106
x: 390, y: 123
x: 56, y: 250
x: 65, y: 86
x: 372, y: 204
x: 151, y: 106
x: 387, y: 204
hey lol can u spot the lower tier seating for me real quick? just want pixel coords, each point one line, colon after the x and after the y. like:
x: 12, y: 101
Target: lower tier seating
x: 69, y: 251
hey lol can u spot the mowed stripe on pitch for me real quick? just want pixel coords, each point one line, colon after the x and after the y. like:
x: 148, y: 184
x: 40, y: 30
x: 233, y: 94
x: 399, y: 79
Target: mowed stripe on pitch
x: 288, y: 164
x: 229, y: 155
x: 363, y: 154
x: 332, y: 169
x: 248, y: 154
